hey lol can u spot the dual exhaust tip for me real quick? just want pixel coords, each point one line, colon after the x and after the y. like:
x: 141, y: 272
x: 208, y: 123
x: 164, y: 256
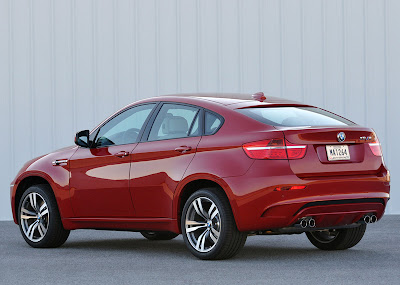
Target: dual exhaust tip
x: 307, y: 223
x: 370, y: 219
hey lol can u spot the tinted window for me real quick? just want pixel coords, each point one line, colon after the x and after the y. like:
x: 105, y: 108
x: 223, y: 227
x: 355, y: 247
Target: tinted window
x: 212, y: 123
x: 125, y: 127
x: 195, y: 130
x: 294, y: 116
x: 173, y: 121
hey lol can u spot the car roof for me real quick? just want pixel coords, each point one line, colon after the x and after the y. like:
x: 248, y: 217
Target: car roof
x: 217, y: 102
x: 231, y: 100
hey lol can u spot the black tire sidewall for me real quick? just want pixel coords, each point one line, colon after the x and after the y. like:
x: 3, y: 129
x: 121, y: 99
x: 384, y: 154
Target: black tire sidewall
x: 346, y: 238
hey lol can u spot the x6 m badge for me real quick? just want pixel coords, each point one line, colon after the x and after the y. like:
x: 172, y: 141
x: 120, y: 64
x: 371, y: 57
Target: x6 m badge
x: 341, y: 137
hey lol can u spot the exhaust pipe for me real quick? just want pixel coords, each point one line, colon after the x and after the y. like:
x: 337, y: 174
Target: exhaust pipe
x: 373, y: 219
x: 311, y: 223
x: 303, y: 223
x: 367, y: 219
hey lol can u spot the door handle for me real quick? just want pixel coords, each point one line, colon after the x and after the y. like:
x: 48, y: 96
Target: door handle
x: 59, y: 162
x: 122, y: 154
x: 183, y: 149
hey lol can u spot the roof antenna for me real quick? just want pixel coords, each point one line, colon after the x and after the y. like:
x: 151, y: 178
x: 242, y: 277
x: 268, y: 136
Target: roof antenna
x: 259, y: 96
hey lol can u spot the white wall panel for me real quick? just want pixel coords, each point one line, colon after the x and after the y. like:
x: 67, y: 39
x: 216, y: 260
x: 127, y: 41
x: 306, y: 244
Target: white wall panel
x: 392, y: 98
x: 65, y: 65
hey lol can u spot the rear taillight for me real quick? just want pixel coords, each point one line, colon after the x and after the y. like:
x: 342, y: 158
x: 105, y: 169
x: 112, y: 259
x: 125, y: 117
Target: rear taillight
x: 274, y: 149
x: 376, y: 147
x: 295, y: 151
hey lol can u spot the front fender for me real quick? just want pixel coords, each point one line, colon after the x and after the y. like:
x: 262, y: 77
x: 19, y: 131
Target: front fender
x: 56, y: 176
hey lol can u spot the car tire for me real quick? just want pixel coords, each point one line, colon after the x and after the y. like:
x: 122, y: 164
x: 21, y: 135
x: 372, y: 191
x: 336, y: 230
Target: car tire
x: 208, y: 226
x: 39, y: 219
x: 337, y: 239
x: 158, y: 235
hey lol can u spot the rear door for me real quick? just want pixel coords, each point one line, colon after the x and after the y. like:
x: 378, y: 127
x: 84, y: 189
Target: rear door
x: 161, y: 159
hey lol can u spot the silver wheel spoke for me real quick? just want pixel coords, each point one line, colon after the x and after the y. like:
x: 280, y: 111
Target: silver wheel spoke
x: 213, y: 236
x: 198, y: 206
x: 42, y: 229
x: 25, y: 211
x: 26, y: 214
x: 26, y: 217
x: 194, y: 223
x: 201, y: 240
x: 44, y: 212
x: 192, y: 226
x: 212, y: 207
x: 192, y: 229
x: 32, y: 229
x: 212, y: 216
x: 43, y: 207
x: 32, y: 200
x: 215, y: 233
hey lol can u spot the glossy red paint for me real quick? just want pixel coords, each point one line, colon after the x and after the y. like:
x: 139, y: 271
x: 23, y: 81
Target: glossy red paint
x: 143, y: 188
x: 157, y: 168
x: 99, y: 182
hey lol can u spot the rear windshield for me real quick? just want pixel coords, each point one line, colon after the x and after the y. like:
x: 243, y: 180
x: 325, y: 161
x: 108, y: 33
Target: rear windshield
x: 294, y: 116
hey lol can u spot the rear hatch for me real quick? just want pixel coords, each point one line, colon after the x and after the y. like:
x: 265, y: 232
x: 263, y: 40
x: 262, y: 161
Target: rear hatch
x: 335, y: 146
x: 326, y: 156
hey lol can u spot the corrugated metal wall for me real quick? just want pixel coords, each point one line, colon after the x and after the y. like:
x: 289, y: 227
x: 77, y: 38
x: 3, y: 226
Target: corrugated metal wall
x: 66, y: 65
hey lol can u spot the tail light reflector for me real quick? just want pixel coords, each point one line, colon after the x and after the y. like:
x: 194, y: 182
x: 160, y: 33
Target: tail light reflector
x: 286, y: 188
x: 295, y: 151
x: 274, y: 149
x: 376, y: 147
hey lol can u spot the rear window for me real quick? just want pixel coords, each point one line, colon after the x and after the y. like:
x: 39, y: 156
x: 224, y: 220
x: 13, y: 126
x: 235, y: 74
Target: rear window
x: 294, y: 116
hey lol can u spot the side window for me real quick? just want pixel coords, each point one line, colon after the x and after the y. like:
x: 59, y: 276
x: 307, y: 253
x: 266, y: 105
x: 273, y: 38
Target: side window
x: 212, y: 123
x: 195, y: 130
x: 174, y: 121
x: 125, y: 127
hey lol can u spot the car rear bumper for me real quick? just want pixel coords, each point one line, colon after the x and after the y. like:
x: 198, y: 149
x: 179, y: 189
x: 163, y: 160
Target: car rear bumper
x: 326, y: 213
x: 330, y: 201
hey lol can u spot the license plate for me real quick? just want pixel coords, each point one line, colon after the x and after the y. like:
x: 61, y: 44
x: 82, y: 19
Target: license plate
x: 337, y: 152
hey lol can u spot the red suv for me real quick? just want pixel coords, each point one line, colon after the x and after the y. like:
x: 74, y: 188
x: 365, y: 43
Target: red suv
x: 213, y: 169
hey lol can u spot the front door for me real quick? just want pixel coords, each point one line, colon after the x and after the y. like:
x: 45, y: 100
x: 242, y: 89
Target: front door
x: 99, y: 182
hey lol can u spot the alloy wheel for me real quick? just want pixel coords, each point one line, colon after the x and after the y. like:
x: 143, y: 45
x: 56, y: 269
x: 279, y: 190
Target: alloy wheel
x: 34, y: 217
x: 203, y: 224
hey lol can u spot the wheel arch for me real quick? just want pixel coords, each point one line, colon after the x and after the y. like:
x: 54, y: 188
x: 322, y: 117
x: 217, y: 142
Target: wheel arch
x: 23, y: 185
x: 190, y: 186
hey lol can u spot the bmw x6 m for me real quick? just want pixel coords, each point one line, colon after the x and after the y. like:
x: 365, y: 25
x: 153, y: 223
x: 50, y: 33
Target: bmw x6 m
x: 212, y: 168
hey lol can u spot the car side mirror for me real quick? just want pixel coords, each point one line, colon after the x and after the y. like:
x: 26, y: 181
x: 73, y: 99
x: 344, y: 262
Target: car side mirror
x: 82, y: 138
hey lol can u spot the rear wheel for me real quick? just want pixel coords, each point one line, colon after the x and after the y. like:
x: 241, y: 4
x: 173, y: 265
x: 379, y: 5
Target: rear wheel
x: 208, y: 226
x: 337, y: 239
x: 158, y: 235
x: 39, y: 218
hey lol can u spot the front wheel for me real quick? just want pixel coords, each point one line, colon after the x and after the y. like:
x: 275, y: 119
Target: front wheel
x: 39, y: 218
x: 337, y: 239
x: 208, y: 226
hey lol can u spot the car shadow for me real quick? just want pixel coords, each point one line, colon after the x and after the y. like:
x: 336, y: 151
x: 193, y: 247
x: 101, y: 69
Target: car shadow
x: 177, y: 248
x: 129, y: 245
